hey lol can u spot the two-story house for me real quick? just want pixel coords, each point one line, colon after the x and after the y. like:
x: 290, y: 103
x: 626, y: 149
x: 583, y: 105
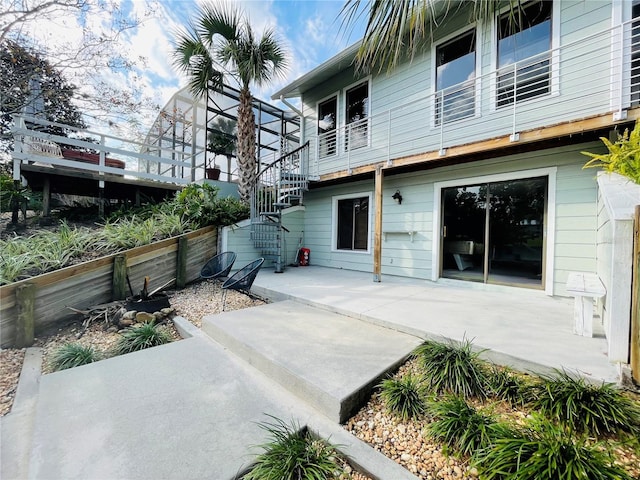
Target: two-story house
x: 464, y: 164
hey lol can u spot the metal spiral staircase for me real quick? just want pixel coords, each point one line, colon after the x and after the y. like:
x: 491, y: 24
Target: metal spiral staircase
x: 278, y: 186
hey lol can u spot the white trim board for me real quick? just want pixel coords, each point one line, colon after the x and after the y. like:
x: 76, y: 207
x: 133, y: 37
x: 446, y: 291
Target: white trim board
x: 549, y: 229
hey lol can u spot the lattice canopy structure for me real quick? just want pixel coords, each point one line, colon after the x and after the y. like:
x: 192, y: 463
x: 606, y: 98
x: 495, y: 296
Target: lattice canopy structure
x: 193, y: 126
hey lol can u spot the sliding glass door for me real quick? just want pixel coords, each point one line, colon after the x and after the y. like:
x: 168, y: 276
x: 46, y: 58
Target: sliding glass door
x: 494, y: 232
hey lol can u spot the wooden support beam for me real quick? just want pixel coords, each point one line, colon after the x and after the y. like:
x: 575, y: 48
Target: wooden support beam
x: 119, y: 279
x: 181, y: 263
x: 46, y: 197
x: 377, y: 229
x: 25, y: 326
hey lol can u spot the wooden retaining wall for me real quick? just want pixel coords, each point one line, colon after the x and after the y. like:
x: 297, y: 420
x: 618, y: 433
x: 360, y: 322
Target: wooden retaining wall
x: 45, y: 298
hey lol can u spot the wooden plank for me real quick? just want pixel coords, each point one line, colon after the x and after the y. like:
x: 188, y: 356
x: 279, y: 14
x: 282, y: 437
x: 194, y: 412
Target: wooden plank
x: 377, y: 229
x: 119, y: 288
x: 25, y: 325
x: 531, y: 136
x: 181, y: 263
x: 635, y: 300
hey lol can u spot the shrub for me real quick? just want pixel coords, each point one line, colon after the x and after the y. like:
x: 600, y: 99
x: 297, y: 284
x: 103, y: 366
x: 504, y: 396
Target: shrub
x: 461, y: 427
x: 596, y: 409
x: 623, y: 156
x: 506, y: 385
x: 292, y: 454
x: 138, y: 338
x: 72, y: 355
x: 453, y: 368
x: 403, y: 396
x: 544, y: 450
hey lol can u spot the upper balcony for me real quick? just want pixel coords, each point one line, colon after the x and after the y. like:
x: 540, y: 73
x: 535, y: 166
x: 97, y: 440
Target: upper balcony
x: 585, y: 85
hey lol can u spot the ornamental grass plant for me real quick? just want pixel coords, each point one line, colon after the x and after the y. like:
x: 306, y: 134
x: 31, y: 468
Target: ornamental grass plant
x: 144, y: 336
x: 291, y: 453
x: 404, y: 396
x: 545, y: 450
x: 593, y: 409
x: 72, y: 355
x: 453, y: 368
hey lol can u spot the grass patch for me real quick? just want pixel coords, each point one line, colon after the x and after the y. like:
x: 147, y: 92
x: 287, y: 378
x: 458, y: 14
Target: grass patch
x: 583, y: 407
x: 404, y: 396
x: 293, y: 454
x: 138, y: 338
x: 72, y: 355
x: 453, y: 368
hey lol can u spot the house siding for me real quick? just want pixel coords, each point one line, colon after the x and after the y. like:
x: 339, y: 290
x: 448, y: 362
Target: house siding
x: 575, y: 215
x: 402, y: 104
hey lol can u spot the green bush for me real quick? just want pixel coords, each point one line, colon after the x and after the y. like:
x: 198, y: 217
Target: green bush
x: 453, y: 368
x: 544, y: 450
x: 505, y: 384
x: 594, y: 409
x: 461, y: 427
x: 292, y: 454
x: 623, y: 156
x: 138, y: 338
x: 403, y: 396
x: 72, y: 355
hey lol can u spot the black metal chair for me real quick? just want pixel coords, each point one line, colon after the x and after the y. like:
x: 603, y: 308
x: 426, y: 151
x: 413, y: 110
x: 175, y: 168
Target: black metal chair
x: 242, y: 279
x: 219, y: 266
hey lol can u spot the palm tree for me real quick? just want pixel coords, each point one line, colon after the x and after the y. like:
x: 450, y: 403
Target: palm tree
x: 221, y: 43
x: 398, y: 29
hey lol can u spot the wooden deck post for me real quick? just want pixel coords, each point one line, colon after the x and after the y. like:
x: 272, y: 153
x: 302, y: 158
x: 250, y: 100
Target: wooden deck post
x: 635, y: 301
x: 119, y: 280
x: 25, y: 325
x: 181, y: 264
x: 46, y: 197
x: 377, y: 232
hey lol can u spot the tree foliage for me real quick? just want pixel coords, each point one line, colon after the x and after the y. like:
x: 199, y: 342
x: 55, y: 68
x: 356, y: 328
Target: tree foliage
x: 19, y: 65
x: 220, y: 42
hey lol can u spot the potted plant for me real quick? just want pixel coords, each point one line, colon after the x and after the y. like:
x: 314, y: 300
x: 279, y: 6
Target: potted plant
x: 221, y: 141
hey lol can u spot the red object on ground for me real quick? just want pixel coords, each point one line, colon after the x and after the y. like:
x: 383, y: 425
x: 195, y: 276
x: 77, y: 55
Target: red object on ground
x: 93, y: 158
x: 303, y: 257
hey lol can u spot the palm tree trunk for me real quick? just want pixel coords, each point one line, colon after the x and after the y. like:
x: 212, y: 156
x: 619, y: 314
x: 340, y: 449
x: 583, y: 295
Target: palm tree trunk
x: 246, y: 144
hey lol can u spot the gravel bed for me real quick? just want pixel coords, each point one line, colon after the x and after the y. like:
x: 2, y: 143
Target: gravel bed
x: 407, y: 444
x: 10, y: 366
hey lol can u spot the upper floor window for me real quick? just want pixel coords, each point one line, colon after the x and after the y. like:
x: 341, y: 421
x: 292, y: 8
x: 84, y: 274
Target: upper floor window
x: 524, y: 57
x: 352, y: 223
x: 455, y: 78
x: 356, y: 115
x: 327, y: 120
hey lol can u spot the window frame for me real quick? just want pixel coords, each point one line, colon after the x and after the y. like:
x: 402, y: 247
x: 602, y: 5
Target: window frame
x: 334, y: 222
x: 477, y: 80
x: 336, y: 96
x: 344, y: 147
x: 554, y: 84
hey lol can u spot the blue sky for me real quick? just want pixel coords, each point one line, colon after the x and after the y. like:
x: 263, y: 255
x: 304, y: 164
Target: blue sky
x: 312, y: 31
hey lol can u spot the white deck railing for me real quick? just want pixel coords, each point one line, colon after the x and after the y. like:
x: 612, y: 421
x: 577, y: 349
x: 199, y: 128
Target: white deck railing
x: 594, y: 75
x: 33, y: 144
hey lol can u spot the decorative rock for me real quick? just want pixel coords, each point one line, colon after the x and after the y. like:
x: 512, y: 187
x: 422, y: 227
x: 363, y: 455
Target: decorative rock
x: 405, y: 457
x: 125, y: 322
x: 130, y: 315
x: 112, y: 329
x: 144, y: 317
x: 167, y: 311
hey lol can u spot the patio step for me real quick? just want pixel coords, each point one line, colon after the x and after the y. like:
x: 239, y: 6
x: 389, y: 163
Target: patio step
x: 330, y: 361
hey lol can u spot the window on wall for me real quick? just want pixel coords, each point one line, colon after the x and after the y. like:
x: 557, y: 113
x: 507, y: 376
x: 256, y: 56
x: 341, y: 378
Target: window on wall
x: 356, y: 114
x: 455, y: 78
x: 524, y: 57
x: 327, y: 120
x: 635, y: 53
x: 353, y: 223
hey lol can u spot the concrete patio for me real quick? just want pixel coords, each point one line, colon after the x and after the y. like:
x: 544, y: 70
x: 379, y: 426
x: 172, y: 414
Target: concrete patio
x: 522, y: 328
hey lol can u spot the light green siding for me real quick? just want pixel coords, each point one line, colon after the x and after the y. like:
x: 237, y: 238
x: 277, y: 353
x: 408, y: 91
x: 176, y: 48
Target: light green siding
x: 575, y: 211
